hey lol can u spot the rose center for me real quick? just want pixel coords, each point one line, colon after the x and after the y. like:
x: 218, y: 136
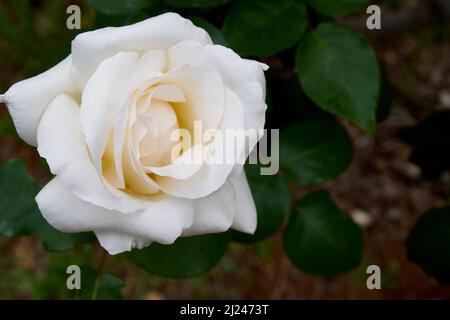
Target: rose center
x: 153, y: 127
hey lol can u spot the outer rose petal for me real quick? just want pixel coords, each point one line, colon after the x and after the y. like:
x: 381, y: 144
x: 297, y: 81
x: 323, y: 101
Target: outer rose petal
x: 62, y: 144
x: 257, y: 69
x: 238, y: 75
x: 163, y: 221
x: 204, y: 93
x: 161, y: 32
x: 28, y: 99
x: 245, y: 216
x: 115, y: 242
x: 215, y: 212
x: 102, y: 101
x: 212, y: 214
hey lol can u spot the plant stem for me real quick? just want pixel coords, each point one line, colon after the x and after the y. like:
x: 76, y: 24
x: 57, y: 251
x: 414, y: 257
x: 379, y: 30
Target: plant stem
x: 100, y: 268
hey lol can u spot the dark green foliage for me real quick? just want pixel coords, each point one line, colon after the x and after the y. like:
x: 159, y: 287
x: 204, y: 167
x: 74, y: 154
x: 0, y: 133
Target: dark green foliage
x: 187, y: 257
x: 429, y: 244
x: 19, y: 214
x: 319, y: 239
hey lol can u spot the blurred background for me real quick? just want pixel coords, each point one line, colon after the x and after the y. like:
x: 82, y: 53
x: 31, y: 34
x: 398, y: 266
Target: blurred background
x: 387, y: 187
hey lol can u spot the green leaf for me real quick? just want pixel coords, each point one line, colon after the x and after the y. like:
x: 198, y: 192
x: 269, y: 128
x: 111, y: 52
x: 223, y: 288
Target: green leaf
x: 319, y: 239
x: 339, y: 71
x: 187, y: 257
x: 265, y: 27
x: 19, y: 214
x: 196, y: 3
x: 215, y: 34
x: 109, y: 286
x: 272, y: 198
x: 336, y: 7
x: 118, y: 7
x: 18, y: 209
x: 428, y: 244
x: 151, y: 8
x: 55, y: 240
x: 314, y: 150
x: 103, y: 20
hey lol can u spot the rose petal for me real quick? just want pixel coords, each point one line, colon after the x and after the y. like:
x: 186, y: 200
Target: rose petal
x: 169, y: 93
x: 211, y: 176
x: 204, y: 94
x: 163, y: 221
x: 257, y: 69
x: 28, y: 99
x: 135, y: 176
x: 118, y: 143
x: 244, y: 77
x: 215, y: 212
x: 152, y: 64
x: 110, y: 169
x: 62, y: 144
x: 102, y: 101
x: 245, y: 215
x: 236, y: 73
x: 115, y: 242
x: 90, y: 48
x: 183, y: 167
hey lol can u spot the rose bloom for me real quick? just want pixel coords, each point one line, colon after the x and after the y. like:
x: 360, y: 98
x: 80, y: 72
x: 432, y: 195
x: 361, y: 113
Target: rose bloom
x: 103, y: 118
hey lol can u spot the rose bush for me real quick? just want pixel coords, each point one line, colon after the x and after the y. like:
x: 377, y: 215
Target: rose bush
x: 103, y: 118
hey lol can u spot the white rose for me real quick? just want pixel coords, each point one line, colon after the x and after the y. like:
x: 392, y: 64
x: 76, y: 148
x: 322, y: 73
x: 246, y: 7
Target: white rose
x: 102, y: 117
